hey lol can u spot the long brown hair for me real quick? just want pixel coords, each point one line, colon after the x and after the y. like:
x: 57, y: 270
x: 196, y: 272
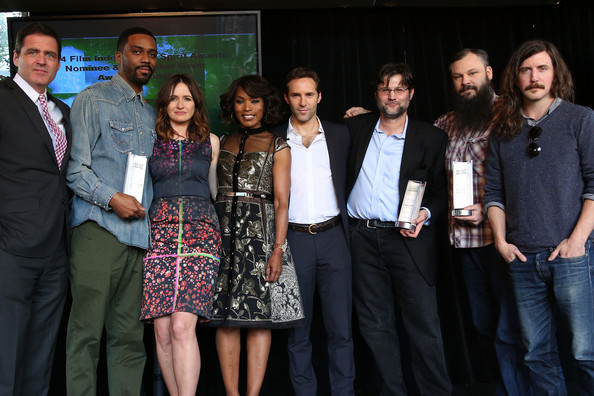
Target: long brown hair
x: 509, y: 120
x: 198, y: 129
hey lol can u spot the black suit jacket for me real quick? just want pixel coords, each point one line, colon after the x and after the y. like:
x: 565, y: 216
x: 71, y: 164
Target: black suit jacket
x: 34, y: 198
x: 423, y: 159
x: 338, y: 142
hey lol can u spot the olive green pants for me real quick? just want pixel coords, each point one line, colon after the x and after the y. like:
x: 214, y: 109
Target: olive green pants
x: 106, y: 282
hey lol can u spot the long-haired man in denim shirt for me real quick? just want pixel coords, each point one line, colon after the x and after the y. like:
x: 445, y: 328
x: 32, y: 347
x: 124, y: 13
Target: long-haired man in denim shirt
x: 110, y: 229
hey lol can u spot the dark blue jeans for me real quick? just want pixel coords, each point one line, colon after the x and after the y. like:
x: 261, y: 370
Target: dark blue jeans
x: 565, y: 284
x: 494, y: 314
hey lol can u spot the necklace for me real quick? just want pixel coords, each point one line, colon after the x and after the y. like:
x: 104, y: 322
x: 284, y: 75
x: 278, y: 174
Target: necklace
x: 175, y: 133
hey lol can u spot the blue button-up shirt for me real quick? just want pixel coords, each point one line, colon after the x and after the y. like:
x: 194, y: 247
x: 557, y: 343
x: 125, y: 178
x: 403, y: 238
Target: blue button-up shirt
x: 375, y: 194
x: 109, y: 120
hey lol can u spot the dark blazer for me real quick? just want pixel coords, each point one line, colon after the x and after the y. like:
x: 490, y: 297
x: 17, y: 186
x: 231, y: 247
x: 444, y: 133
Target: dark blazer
x: 338, y: 142
x: 34, y: 198
x: 423, y: 159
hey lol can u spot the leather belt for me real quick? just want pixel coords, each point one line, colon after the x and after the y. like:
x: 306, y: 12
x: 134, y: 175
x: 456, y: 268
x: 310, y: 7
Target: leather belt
x: 317, y: 227
x: 246, y: 194
x: 372, y: 223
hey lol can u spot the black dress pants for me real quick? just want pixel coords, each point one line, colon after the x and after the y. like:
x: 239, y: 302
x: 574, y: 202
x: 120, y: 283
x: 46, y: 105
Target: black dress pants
x: 385, y: 277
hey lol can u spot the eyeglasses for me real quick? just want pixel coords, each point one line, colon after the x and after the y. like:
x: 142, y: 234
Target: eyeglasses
x: 386, y: 91
x: 533, y: 148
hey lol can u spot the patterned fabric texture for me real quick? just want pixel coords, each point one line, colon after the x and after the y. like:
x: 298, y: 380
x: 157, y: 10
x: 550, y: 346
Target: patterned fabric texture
x: 243, y: 298
x: 181, y: 267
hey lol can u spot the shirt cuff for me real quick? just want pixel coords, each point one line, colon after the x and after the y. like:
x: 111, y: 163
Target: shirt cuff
x: 428, y: 221
x: 103, y: 196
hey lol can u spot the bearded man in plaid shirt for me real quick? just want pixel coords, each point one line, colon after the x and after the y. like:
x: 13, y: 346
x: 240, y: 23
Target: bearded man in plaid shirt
x: 489, y: 289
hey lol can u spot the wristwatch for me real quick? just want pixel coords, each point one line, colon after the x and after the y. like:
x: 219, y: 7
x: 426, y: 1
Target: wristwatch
x: 281, y: 246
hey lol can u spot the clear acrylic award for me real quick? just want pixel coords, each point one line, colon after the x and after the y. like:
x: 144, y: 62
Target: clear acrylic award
x: 462, y: 187
x: 411, y: 205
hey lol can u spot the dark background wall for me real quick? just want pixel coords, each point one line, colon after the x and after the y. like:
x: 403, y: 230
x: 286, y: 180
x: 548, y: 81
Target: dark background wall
x: 345, y: 46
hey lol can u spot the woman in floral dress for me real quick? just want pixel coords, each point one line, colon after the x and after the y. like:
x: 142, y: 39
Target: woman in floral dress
x: 181, y: 266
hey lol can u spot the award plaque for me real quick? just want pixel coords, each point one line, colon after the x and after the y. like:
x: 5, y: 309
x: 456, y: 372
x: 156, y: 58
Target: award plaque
x: 135, y: 176
x: 411, y: 205
x: 462, y: 187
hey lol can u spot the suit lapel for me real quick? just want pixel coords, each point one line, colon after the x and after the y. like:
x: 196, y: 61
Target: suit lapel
x: 363, y: 143
x: 329, y: 135
x: 411, y: 150
x: 34, y: 116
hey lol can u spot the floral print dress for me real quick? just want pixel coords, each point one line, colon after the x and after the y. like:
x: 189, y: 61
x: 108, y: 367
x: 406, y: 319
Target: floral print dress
x: 180, y: 268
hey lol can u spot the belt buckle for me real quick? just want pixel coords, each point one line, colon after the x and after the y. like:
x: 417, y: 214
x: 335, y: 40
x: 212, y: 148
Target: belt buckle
x: 369, y: 225
x: 310, y: 230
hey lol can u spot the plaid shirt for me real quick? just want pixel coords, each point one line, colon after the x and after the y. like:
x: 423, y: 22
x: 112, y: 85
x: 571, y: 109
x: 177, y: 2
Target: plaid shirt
x: 467, y: 146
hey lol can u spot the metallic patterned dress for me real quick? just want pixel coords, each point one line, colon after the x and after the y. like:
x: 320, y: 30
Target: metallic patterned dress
x: 245, y: 207
x: 181, y: 266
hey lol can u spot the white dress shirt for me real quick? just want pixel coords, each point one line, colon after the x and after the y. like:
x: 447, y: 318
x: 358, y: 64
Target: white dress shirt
x: 313, y: 198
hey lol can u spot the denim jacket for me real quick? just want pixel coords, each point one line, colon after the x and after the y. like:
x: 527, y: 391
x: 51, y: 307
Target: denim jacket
x: 109, y: 120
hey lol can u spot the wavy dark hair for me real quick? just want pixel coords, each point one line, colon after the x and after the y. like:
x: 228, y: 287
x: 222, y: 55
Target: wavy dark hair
x: 256, y: 87
x: 509, y: 118
x: 198, y: 129
x: 389, y: 70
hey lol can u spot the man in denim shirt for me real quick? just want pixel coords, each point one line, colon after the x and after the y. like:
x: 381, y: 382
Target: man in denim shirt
x: 110, y: 229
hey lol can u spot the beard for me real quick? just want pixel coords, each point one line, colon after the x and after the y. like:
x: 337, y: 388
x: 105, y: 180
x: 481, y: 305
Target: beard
x: 393, y: 114
x: 476, y: 112
x: 142, y: 79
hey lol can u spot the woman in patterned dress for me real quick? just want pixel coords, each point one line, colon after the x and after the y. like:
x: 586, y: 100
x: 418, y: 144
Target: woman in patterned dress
x: 257, y: 287
x: 181, y: 267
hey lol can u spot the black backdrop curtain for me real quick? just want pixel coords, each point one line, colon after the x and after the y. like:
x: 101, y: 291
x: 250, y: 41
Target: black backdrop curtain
x: 345, y: 46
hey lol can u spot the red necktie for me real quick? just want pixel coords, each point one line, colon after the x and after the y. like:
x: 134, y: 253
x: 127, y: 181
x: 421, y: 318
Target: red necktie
x: 59, y: 135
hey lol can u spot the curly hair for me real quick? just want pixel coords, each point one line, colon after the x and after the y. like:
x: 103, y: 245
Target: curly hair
x: 509, y: 118
x: 198, y: 129
x: 256, y: 87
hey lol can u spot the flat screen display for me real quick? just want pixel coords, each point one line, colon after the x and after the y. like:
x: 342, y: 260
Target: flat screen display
x: 214, y: 48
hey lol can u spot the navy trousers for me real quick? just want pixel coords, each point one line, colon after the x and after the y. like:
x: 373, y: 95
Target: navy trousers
x: 323, y: 261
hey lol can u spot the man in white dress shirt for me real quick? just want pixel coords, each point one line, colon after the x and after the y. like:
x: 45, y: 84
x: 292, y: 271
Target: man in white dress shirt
x: 318, y: 234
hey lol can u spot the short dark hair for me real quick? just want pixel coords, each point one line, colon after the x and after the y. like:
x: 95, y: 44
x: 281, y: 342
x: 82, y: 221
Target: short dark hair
x: 256, y: 87
x: 302, y: 72
x: 389, y: 70
x: 123, y: 39
x: 481, y: 53
x: 36, y: 28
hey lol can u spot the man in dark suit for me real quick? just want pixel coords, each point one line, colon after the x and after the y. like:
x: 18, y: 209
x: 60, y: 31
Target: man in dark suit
x: 318, y: 234
x: 394, y: 270
x: 34, y: 148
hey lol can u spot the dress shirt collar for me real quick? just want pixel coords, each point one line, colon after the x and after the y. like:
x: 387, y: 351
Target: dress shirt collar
x: 552, y: 107
x: 127, y: 90
x: 293, y: 134
x: 397, y: 136
x: 28, y: 89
